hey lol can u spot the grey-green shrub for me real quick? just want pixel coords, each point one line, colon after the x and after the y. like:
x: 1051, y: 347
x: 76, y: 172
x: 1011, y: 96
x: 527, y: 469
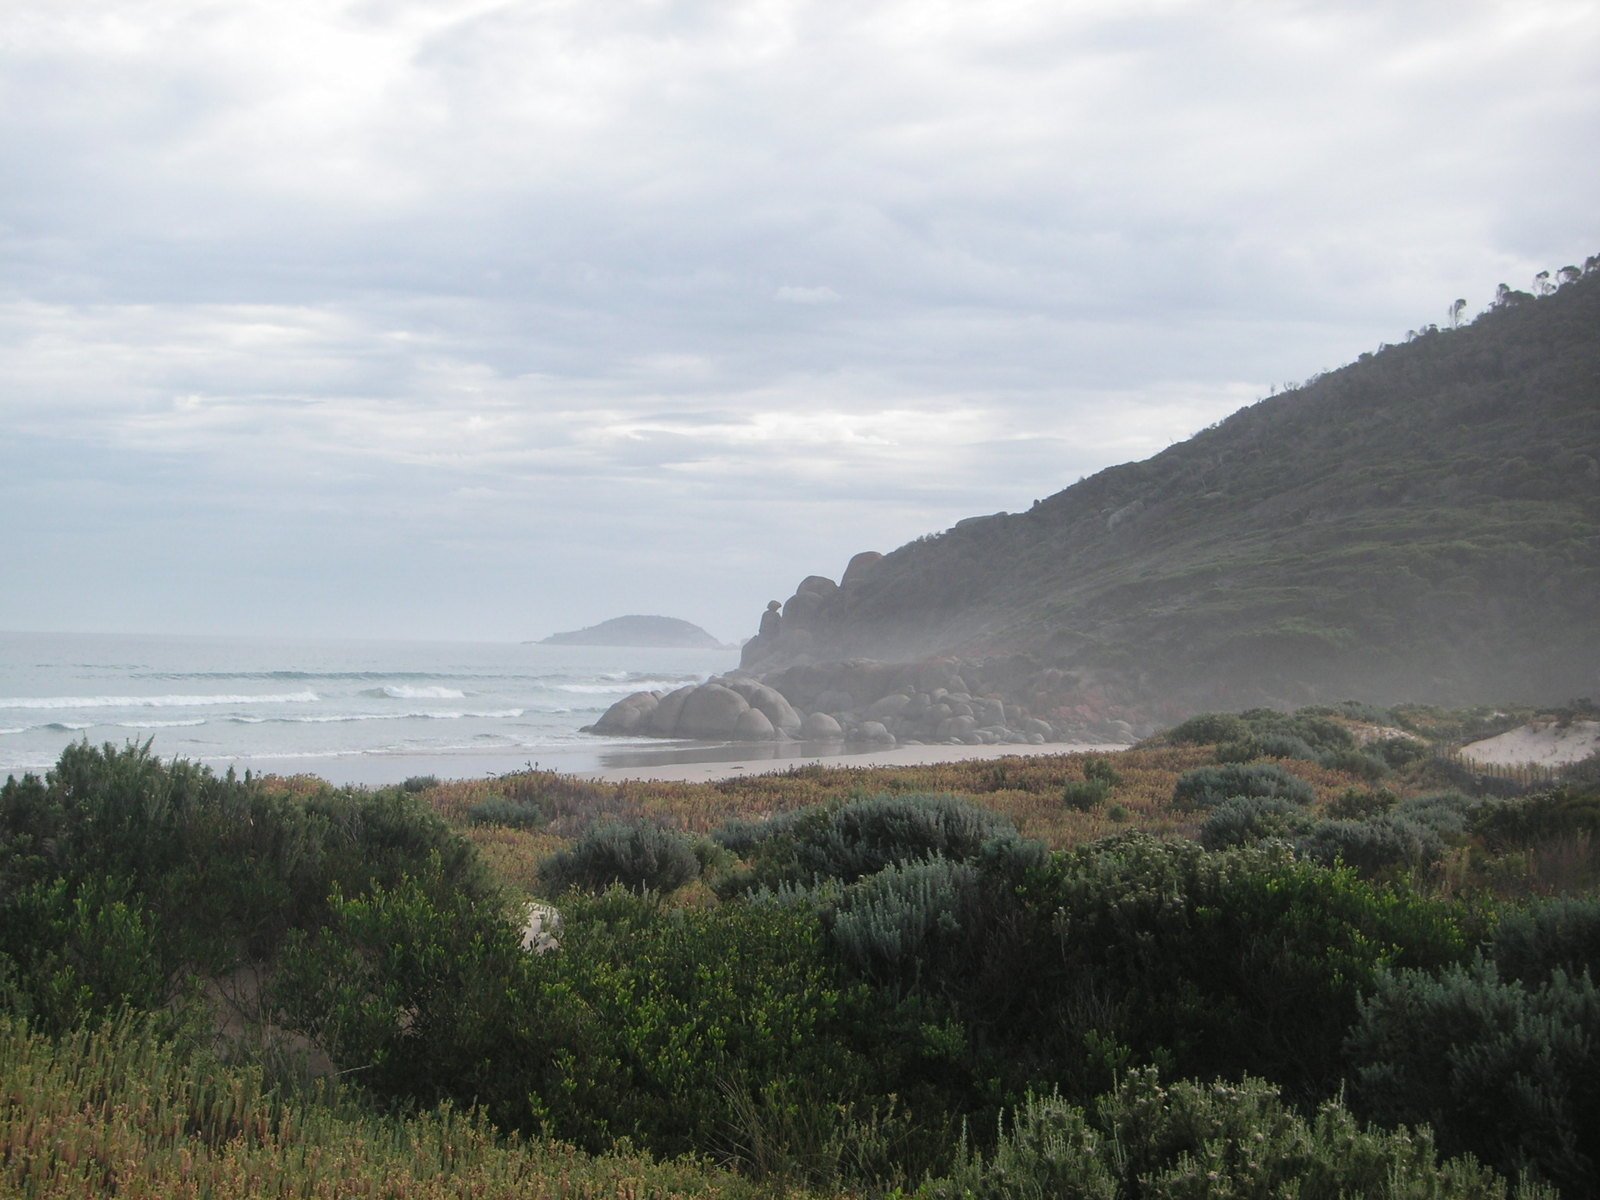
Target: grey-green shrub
x: 1374, y: 845
x: 1560, y: 934
x: 512, y: 814
x: 1207, y: 787
x: 1196, y: 1140
x: 1509, y: 1070
x: 636, y: 854
x: 1242, y: 820
x: 866, y: 835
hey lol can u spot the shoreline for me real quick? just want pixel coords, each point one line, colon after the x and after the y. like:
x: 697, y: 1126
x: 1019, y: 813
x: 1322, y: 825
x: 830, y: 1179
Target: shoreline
x: 673, y: 763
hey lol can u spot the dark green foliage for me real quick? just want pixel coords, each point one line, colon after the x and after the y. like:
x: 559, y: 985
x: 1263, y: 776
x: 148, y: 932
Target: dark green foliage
x: 1101, y: 770
x: 1208, y: 787
x: 1400, y: 752
x: 1190, y: 1139
x: 681, y: 1028
x: 1354, y: 804
x: 1085, y: 794
x: 419, y: 783
x: 635, y: 854
x: 951, y: 929
x: 1355, y: 762
x: 1564, y: 812
x: 1510, y: 1070
x: 205, y: 871
x: 1243, y: 820
x: 864, y: 836
x: 1208, y: 729
x: 1267, y: 745
x: 1218, y: 962
x: 1549, y: 935
x: 1374, y: 845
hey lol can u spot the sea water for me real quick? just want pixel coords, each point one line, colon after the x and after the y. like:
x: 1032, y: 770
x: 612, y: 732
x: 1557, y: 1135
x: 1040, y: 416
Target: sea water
x: 352, y: 711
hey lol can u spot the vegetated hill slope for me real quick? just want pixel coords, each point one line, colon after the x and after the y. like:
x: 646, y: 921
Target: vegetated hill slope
x: 666, y: 632
x: 1422, y: 524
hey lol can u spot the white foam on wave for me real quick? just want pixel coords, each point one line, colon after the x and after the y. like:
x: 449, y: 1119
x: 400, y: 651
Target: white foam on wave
x: 189, y: 724
x: 621, y: 685
x: 341, y: 718
x: 176, y: 701
x: 401, y: 691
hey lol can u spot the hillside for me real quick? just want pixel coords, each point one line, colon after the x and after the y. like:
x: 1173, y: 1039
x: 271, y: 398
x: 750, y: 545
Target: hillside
x: 1423, y: 524
x: 659, y: 632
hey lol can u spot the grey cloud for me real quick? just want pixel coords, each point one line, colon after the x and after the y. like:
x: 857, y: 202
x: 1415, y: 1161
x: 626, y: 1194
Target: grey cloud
x: 698, y: 282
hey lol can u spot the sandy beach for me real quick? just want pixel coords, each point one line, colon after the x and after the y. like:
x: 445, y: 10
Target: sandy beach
x: 898, y: 756
x: 670, y: 762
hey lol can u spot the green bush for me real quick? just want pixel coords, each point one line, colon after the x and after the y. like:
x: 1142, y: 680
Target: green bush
x: 1243, y: 820
x: 1085, y: 794
x: 512, y: 814
x: 1207, y: 787
x: 1517, y: 824
x: 635, y: 854
x: 1372, y: 846
x: 1147, y: 1141
x: 1509, y: 1071
x: 1215, y: 962
x: 864, y: 836
x: 1550, y: 935
x: 1209, y: 728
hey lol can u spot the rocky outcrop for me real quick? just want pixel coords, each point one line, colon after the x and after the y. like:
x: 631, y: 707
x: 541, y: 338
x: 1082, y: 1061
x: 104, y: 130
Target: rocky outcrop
x: 864, y: 702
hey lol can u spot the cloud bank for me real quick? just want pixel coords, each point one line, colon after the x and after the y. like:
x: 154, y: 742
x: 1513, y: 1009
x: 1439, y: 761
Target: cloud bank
x: 482, y: 319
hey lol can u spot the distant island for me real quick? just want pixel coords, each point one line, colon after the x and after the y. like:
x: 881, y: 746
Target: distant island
x: 658, y: 632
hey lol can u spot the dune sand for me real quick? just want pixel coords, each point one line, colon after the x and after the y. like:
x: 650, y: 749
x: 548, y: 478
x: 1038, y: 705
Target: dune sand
x: 1542, y: 743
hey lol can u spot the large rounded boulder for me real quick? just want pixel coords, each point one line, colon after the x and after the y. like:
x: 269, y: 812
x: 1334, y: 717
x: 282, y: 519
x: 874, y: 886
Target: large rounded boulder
x: 711, y: 711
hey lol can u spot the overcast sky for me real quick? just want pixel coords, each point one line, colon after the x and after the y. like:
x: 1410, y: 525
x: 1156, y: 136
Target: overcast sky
x: 476, y: 319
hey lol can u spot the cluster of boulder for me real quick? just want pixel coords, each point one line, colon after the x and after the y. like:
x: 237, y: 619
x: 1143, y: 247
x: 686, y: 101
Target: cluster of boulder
x: 780, y: 693
x: 740, y: 708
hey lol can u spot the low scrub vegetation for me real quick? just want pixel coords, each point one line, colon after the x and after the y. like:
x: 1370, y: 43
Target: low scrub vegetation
x: 1264, y: 976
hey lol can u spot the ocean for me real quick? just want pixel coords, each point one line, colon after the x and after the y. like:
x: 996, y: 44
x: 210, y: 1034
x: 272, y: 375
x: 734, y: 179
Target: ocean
x: 353, y: 712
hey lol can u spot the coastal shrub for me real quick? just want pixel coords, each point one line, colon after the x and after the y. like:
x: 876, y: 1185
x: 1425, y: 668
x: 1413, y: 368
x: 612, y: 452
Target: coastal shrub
x: 1209, y: 728
x: 1400, y: 752
x: 1354, y: 804
x: 1509, y: 1070
x: 1085, y: 794
x: 1217, y: 962
x: 1563, y: 812
x: 419, y: 783
x: 511, y: 814
x: 218, y: 869
x: 1355, y: 762
x: 417, y: 995
x: 635, y: 854
x: 885, y: 923
x: 1193, y: 1139
x: 1269, y: 745
x: 1559, y: 934
x: 1241, y: 820
x: 1101, y: 770
x: 865, y: 835
x: 672, y: 1021
x: 1449, y: 814
x: 950, y: 929
x: 1207, y: 787
x: 1373, y: 845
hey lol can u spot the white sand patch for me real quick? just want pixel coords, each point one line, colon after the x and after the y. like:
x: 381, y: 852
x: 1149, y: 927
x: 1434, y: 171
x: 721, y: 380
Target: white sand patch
x: 1541, y: 743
